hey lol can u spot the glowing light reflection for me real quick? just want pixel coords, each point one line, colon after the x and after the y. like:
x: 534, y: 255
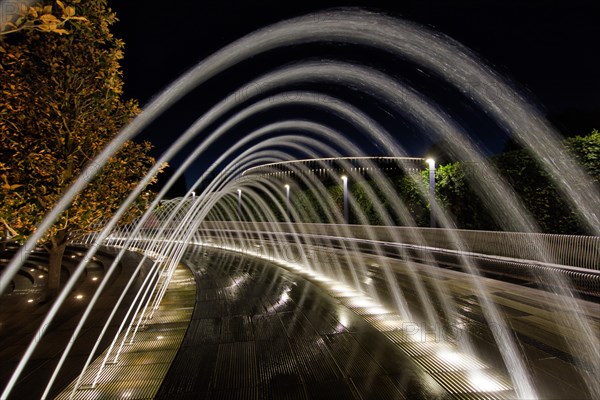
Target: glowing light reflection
x: 483, y: 382
x: 451, y: 357
x: 377, y: 310
x: 392, y: 324
x: 363, y: 302
x: 479, y: 379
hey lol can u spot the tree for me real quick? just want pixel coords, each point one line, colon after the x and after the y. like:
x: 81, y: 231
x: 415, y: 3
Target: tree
x: 61, y: 103
x: 458, y: 197
x: 586, y: 150
x: 537, y: 191
x: 41, y: 18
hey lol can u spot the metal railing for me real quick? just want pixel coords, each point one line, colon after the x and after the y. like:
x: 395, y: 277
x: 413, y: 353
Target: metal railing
x: 569, y: 250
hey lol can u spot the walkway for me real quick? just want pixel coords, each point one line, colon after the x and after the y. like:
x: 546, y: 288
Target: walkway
x: 261, y: 332
x: 21, y: 314
x: 249, y: 329
x: 143, y: 364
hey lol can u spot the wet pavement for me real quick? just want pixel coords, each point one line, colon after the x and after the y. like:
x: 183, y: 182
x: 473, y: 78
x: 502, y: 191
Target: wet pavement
x: 23, y: 309
x: 260, y: 331
x: 138, y: 370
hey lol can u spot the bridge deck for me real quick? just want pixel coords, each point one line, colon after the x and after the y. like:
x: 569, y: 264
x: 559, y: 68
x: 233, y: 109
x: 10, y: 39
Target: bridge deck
x: 261, y: 332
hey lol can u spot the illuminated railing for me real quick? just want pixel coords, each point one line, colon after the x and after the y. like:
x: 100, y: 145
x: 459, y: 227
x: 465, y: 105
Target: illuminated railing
x: 568, y: 250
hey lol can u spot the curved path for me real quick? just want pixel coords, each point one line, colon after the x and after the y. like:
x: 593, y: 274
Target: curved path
x: 260, y: 331
x: 20, y: 319
x: 138, y: 370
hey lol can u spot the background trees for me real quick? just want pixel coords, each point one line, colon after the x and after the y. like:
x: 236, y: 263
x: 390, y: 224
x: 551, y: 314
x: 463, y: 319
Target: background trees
x: 457, y: 197
x: 61, y: 102
x: 530, y: 182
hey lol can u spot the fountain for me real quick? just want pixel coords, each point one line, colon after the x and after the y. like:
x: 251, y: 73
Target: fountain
x: 233, y: 209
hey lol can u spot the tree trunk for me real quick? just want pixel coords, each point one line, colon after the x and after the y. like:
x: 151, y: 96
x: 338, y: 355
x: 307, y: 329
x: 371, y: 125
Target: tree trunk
x: 56, y: 251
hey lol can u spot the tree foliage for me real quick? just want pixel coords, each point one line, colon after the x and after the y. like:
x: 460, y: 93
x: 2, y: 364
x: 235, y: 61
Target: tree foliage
x: 43, y: 18
x: 458, y: 197
x: 538, y: 190
x: 586, y: 150
x: 61, y: 103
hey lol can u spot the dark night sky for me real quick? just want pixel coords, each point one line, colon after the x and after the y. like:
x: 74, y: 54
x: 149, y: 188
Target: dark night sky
x: 549, y: 48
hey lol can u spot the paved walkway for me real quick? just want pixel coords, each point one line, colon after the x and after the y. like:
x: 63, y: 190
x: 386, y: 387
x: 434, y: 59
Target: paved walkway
x: 142, y: 365
x: 261, y: 332
x: 22, y: 312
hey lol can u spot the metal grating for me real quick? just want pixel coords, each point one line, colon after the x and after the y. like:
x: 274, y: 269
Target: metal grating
x: 440, y: 363
x: 245, y: 393
x: 164, y: 316
x: 341, y: 389
x: 267, y: 327
x: 236, y: 366
x: 141, y: 366
x: 147, y: 357
x: 171, y: 342
x: 352, y: 359
x: 114, y: 373
x: 210, y: 309
x: 236, y: 329
x: 190, y: 373
x: 377, y: 388
x: 460, y: 382
x: 296, y: 325
x: 314, y: 361
x: 425, y: 348
x: 203, y: 331
x: 211, y: 294
x: 385, y: 322
x: 277, y: 364
x: 246, y: 306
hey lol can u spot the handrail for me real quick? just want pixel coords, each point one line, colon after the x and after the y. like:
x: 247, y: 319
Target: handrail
x: 572, y: 250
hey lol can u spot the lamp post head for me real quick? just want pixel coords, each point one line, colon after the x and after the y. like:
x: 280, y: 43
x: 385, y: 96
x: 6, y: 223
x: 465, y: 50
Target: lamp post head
x: 286, y: 186
x: 431, y: 162
x: 344, y: 177
x: 239, y: 190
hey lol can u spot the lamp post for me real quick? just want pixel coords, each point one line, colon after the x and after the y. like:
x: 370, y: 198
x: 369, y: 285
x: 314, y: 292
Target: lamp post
x: 287, y: 200
x: 239, y: 204
x: 432, y: 204
x: 345, y: 180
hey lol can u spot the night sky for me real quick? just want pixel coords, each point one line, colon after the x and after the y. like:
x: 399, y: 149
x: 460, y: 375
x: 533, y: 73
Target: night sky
x: 548, y: 48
